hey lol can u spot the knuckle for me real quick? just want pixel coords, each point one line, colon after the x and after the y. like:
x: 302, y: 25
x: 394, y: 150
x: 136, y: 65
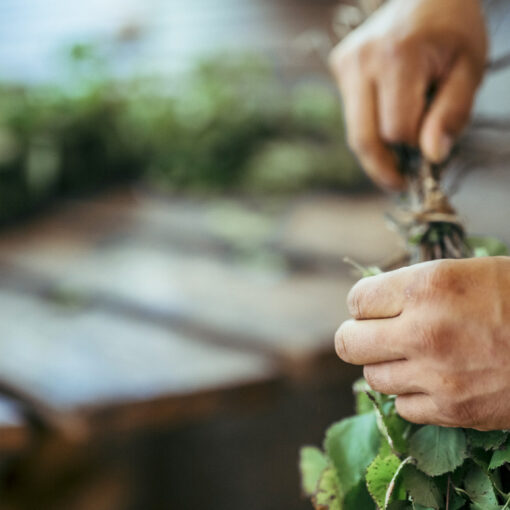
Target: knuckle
x: 434, y: 338
x: 438, y: 276
x: 398, y: 129
x: 346, y: 59
x: 338, y: 61
x: 407, y: 409
x: 451, y: 387
x: 360, y: 143
x: 458, y: 412
x: 442, y: 279
x: 354, y: 301
x: 375, y: 378
x: 340, y: 343
x: 365, y: 53
x: 459, y: 408
x: 396, y: 48
x: 426, y: 338
x: 410, y: 410
x: 403, y: 408
x: 393, y: 132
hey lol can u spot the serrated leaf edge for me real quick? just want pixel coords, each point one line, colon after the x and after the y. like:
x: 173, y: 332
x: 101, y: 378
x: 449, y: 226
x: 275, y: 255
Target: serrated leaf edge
x: 391, y: 486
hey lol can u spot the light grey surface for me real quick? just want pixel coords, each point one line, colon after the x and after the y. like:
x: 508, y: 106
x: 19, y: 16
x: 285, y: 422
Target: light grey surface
x: 71, y: 358
x: 161, y: 259
x: 494, y: 96
x: 169, y: 34
x: 483, y: 198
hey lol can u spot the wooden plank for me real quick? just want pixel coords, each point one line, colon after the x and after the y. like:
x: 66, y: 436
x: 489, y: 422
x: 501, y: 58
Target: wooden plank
x: 77, y: 360
x: 288, y: 316
x: 318, y: 227
x: 14, y: 435
x: 222, y: 269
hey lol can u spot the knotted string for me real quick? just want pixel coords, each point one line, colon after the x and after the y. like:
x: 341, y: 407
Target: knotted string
x: 429, y: 223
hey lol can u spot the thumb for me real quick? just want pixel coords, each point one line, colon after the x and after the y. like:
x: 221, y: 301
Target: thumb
x: 450, y: 110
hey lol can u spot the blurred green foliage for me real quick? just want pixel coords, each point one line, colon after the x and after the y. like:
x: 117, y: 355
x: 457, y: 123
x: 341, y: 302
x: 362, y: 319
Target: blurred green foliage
x: 230, y: 125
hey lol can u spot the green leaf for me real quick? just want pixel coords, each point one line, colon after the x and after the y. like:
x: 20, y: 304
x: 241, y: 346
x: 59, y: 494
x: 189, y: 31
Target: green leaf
x: 438, y: 450
x: 379, y: 477
x: 422, y: 489
x: 415, y: 239
x: 486, y: 246
x: 363, y: 402
x: 312, y: 463
x: 385, y: 449
x: 352, y: 445
x: 481, y: 457
x: 393, y: 428
x: 371, y: 271
x: 363, y: 270
x: 476, y: 506
x: 359, y: 498
x: 329, y: 494
x: 456, y: 478
x: 456, y: 501
x: 397, y: 429
x: 479, y: 487
x: 499, y: 457
x: 400, y: 505
x: 486, y: 440
x: 360, y: 386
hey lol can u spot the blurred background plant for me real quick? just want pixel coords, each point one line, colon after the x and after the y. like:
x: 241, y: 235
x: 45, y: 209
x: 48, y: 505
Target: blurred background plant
x: 230, y: 124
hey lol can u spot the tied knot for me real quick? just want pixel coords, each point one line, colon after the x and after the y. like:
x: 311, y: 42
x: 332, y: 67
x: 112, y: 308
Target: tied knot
x: 433, y: 206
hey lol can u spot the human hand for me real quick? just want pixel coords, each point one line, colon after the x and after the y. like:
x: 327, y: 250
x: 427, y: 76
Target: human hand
x: 437, y: 335
x: 386, y: 68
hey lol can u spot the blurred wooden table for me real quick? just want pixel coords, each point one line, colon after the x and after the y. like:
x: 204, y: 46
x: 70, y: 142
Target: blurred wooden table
x: 123, y: 287
x: 130, y: 312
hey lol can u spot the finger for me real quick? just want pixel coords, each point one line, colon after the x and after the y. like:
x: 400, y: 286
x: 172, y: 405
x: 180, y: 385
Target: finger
x: 393, y: 378
x: 418, y: 408
x: 450, y: 111
x: 363, y: 133
x: 367, y: 342
x: 402, y: 101
x: 379, y: 297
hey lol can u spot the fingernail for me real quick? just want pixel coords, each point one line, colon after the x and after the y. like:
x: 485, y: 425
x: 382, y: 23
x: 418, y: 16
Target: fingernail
x: 445, y: 147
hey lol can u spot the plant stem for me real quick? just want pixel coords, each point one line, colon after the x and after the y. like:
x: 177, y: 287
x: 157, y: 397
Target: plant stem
x: 448, y: 492
x: 391, y: 486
